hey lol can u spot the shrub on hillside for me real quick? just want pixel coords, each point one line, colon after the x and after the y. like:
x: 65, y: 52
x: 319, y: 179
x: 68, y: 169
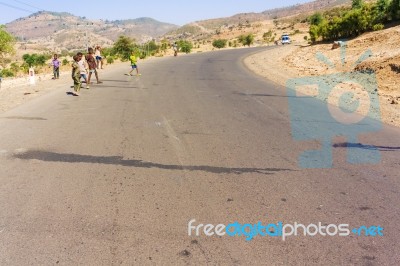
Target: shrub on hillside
x: 219, y: 43
x: 350, y: 22
x: 5, y: 73
x: 246, y: 39
x: 185, y: 46
x: 378, y: 27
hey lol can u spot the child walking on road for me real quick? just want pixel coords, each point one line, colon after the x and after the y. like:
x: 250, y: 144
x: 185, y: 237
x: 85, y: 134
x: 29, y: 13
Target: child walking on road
x: 134, y: 65
x: 76, y: 74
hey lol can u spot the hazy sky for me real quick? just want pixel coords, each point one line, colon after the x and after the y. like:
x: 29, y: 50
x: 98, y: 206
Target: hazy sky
x: 173, y: 11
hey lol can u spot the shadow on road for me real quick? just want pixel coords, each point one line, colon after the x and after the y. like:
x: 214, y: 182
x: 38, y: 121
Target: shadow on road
x: 261, y: 95
x: 114, y: 80
x: 366, y: 147
x: 118, y: 160
x: 25, y: 118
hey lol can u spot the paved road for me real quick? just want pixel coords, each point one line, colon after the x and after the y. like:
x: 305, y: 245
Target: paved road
x: 115, y: 175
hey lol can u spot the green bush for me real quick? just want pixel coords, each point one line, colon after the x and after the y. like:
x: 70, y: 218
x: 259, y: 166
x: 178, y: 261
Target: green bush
x: 269, y: 36
x: 7, y: 42
x: 123, y: 47
x: 106, y: 51
x: 5, y: 73
x: 35, y: 59
x: 345, y: 22
x: 219, y: 43
x: 377, y: 27
x: 246, y: 39
x: 110, y: 60
x: 65, y: 62
x: 24, y: 67
x: 185, y: 46
x: 316, y: 19
x: 15, y: 68
x: 395, y: 9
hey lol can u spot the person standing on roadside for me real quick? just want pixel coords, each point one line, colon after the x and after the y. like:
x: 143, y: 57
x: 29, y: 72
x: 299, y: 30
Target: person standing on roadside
x: 56, y: 67
x: 99, y: 58
x: 76, y: 74
x: 91, y: 61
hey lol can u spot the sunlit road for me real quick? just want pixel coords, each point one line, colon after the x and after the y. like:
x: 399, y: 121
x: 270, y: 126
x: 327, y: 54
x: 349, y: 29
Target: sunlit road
x: 114, y: 176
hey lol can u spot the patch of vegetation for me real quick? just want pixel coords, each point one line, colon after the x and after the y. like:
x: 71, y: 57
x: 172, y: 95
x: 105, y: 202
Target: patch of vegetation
x: 6, y: 73
x: 350, y: 22
x: 110, y: 60
x: 219, y: 43
x: 246, y: 39
x: 123, y: 47
x: 185, y: 46
x: 269, y: 36
x: 35, y: 59
x: 7, y: 42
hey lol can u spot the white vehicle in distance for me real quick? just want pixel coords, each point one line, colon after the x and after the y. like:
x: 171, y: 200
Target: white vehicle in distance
x: 285, y: 39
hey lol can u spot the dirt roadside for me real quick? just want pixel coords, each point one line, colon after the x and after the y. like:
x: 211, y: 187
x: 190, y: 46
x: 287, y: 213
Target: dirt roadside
x: 17, y: 91
x: 298, y: 61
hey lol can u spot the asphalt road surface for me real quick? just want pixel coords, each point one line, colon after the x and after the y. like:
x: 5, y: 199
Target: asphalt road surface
x: 114, y: 176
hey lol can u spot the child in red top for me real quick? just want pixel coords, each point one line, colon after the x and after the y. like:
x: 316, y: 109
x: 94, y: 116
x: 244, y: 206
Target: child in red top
x: 91, y: 60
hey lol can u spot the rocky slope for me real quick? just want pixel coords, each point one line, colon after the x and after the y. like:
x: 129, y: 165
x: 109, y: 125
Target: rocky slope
x: 209, y: 28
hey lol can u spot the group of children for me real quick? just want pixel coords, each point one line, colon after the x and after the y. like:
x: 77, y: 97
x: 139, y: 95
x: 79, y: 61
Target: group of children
x: 80, y: 69
x: 83, y: 67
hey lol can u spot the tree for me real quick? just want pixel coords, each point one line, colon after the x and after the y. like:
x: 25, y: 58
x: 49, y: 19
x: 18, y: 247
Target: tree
x: 394, y: 9
x: 314, y: 33
x: 219, y: 43
x: 152, y: 47
x: 34, y: 59
x: 7, y: 42
x: 123, y: 47
x: 185, y: 46
x: 316, y: 19
x: 381, y: 11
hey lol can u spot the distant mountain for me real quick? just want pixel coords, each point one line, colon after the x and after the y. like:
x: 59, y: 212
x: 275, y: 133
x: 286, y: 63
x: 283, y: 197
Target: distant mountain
x: 45, y: 24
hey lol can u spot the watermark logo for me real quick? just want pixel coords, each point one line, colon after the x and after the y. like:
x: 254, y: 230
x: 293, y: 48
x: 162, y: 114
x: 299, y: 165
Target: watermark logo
x: 343, y: 104
x: 280, y: 230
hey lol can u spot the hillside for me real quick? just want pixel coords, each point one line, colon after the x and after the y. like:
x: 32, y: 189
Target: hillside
x: 207, y: 28
x: 46, y: 24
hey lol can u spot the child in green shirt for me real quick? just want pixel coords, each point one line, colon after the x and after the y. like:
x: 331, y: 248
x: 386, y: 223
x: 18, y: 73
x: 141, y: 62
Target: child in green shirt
x: 76, y: 74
